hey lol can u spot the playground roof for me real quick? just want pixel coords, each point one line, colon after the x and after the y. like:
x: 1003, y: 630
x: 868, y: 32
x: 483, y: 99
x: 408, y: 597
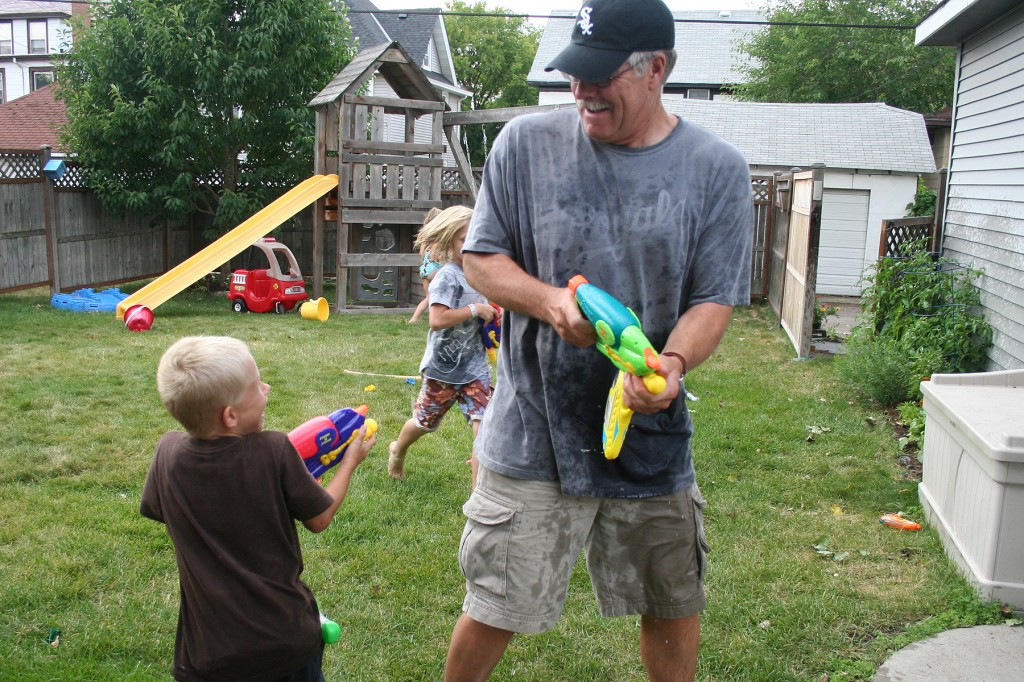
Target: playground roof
x: 393, y: 63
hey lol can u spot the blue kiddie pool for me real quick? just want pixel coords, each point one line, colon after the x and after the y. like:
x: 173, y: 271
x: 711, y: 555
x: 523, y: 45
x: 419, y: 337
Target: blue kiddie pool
x: 89, y: 301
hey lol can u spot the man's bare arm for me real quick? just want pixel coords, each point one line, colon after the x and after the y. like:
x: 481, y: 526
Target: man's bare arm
x: 504, y: 282
x: 695, y: 336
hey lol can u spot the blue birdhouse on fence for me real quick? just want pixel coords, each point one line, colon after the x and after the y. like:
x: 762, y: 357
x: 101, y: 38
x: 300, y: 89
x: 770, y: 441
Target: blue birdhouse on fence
x: 55, y: 169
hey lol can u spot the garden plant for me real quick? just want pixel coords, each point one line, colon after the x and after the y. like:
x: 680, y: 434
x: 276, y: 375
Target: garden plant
x: 921, y: 317
x: 803, y: 581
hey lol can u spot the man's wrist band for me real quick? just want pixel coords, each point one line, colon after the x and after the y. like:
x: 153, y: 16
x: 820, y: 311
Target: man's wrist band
x: 678, y: 357
x: 472, y: 310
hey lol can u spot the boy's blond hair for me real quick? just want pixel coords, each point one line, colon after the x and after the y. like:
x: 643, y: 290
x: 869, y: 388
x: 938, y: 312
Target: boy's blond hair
x: 439, y: 234
x: 199, y: 376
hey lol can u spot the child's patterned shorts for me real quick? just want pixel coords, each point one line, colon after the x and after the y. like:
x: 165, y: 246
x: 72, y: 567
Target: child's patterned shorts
x: 437, y: 397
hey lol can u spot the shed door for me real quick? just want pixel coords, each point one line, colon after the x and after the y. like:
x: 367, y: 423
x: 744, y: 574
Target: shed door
x: 844, y: 230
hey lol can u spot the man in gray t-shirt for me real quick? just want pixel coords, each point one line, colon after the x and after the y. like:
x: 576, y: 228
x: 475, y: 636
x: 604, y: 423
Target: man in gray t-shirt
x: 658, y: 212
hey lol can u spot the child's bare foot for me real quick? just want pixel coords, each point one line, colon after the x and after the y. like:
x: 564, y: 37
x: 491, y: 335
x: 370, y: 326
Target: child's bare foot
x: 396, y: 464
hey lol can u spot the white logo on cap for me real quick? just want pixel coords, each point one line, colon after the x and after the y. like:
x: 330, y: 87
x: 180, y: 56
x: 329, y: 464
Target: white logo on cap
x: 585, y: 24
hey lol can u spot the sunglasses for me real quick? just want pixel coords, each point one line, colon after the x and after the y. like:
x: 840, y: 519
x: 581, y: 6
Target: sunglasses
x: 600, y: 85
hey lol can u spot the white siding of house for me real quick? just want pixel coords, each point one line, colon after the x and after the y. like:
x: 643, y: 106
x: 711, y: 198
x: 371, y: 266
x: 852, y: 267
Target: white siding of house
x: 433, y: 58
x: 58, y: 36
x: 985, y: 212
x: 17, y: 74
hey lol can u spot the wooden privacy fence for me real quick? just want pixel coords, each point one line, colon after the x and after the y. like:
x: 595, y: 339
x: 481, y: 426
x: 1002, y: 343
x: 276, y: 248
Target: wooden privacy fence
x: 56, y: 232
x: 793, y: 266
x: 24, y: 235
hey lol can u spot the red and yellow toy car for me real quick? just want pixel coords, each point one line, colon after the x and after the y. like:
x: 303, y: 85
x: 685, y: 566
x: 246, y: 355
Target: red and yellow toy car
x: 277, y: 288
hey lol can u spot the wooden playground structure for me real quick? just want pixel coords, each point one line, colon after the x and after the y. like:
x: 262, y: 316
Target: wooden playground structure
x: 385, y: 188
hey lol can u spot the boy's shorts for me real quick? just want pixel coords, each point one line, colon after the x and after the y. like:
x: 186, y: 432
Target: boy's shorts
x: 311, y: 672
x: 522, y: 539
x: 436, y: 398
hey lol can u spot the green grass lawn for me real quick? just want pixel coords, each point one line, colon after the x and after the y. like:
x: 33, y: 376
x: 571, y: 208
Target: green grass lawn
x: 81, y: 416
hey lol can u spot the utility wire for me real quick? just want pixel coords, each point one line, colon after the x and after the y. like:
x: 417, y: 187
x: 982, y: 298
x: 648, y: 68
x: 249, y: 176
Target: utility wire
x: 435, y: 13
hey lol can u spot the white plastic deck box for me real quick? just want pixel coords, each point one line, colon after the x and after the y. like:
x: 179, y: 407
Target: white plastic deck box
x: 972, y: 486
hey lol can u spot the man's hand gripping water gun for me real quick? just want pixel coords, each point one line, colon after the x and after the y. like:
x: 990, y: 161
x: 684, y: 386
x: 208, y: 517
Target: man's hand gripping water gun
x: 621, y: 340
x: 322, y: 441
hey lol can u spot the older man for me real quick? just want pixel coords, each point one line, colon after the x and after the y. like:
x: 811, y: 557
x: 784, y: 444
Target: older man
x: 657, y: 211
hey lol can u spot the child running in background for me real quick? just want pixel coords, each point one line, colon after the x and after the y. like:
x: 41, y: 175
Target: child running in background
x: 454, y: 366
x: 229, y: 494
x: 428, y: 266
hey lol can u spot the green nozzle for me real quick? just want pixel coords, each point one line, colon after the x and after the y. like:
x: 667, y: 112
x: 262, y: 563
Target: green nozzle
x: 329, y: 630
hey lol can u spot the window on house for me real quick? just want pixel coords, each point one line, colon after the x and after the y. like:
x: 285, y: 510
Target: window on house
x: 3, y: 87
x: 698, y: 93
x: 40, y: 77
x: 6, y: 37
x: 37, y: 37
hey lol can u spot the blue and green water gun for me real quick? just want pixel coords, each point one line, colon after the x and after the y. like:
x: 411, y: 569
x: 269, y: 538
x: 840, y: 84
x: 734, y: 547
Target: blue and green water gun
x: 620, y: 339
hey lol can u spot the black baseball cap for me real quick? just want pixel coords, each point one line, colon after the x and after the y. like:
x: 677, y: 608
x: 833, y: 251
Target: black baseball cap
x: 608, y: 31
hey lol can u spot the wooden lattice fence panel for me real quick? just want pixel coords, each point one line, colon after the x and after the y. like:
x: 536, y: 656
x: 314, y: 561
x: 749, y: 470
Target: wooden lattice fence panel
x: 19, y: 166
x: 23, y: 234
x: 898, y: 233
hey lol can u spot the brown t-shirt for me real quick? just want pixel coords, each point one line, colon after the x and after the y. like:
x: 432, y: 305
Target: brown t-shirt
x: 230, y: 506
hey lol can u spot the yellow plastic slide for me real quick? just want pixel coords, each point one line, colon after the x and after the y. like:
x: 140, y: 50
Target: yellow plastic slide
x: 230, y: 245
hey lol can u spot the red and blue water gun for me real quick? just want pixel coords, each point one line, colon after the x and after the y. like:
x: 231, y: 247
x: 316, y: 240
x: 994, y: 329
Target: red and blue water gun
x: 322, y: 441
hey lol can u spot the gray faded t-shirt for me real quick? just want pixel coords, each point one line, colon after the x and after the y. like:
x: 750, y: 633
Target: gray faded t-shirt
x: 661, y: 228
x: 455, y: 355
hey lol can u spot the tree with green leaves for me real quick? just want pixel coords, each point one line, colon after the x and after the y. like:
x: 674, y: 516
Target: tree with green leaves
x: 842, y: 64
x: 492, y: 58
x: 199, y: 105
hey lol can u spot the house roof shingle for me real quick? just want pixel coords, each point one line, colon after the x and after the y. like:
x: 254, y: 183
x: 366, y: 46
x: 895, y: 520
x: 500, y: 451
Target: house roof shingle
x: 413, y: 29
x: 31, y: 121
x: 364, y: 25
x: 707, y: 51
x: 32, y: 8
x: 872, y: 136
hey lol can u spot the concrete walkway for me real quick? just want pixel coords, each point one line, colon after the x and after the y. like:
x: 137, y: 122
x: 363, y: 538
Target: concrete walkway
x: 986, y: 653
x: 843, y: 321
x: 838, y: 325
